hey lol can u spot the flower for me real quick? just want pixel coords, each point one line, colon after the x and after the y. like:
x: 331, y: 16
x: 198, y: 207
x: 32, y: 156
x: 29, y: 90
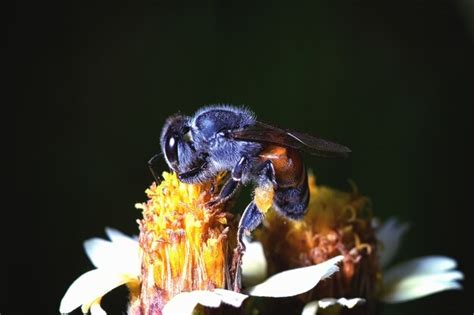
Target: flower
x: 337, y: 223
x: 183, y: 244
x: 179, y: 259
x: 341, y: 223
x: 118, y: 262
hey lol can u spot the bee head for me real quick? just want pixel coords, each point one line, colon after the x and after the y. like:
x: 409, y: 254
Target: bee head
x: 177, y: 144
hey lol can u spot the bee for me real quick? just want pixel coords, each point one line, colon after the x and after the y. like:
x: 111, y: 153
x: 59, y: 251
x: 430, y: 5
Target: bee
x: 229, y: 139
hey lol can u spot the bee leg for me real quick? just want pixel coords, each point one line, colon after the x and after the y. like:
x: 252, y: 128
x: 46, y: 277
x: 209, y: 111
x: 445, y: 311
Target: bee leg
x: 152, y: 167
x: 190, y: 176
x: 232, y: 185
x: 250, y: 220
x: 268, y: 173
x: 228, y: 191
x: 239, y: 168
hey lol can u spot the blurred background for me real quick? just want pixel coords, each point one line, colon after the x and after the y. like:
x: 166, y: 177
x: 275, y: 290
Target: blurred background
x: 92, y: 85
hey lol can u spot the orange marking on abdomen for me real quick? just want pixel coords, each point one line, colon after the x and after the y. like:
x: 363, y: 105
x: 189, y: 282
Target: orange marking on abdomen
x: 288, y: 165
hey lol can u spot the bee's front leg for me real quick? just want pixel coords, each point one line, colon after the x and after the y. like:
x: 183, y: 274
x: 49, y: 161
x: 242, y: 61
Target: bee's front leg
x: 231, y: 187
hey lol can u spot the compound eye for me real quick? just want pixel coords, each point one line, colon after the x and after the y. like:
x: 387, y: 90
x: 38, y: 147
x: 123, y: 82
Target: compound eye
x: 171, y: 151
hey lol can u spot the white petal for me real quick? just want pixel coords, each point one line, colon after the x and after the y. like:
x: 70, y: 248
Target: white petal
x: 420, y: 277
x: 311, y: 308
x: 118, y: 237
x: 185, y: 302
x: 410, y: 289
x: 99, y: 251
x: 390, y: 235
x: 349, y: 303
x: 96, y: 309
x: 254, y: 263
x: 89, y: 287
x: 419, y: 266
x: 230, y: 297
x: 121, y: 254
x: 296, y: 281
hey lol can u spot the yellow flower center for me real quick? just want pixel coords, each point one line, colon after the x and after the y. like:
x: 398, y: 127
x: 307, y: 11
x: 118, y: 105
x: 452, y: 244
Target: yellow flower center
x: 183, y: 244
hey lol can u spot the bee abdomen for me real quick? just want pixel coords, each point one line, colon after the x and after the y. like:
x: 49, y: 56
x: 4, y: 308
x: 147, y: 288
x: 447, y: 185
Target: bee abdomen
x: 292, y: 202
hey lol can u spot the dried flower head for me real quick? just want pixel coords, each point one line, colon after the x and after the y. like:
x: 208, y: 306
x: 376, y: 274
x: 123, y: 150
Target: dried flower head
x: 337, y: 223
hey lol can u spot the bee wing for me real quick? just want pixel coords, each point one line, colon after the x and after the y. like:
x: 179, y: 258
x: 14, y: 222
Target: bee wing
x: 262, y: 132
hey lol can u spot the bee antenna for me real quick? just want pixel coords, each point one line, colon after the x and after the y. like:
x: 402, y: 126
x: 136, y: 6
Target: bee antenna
x: 152, y: 166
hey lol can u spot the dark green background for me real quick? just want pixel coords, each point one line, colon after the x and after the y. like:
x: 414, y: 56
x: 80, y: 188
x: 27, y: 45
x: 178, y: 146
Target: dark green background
x: 92, y: 85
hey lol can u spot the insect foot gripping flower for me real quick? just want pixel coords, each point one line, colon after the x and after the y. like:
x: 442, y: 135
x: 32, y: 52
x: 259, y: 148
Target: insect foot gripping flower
x: 183, y: 246
x: 337, y: 223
